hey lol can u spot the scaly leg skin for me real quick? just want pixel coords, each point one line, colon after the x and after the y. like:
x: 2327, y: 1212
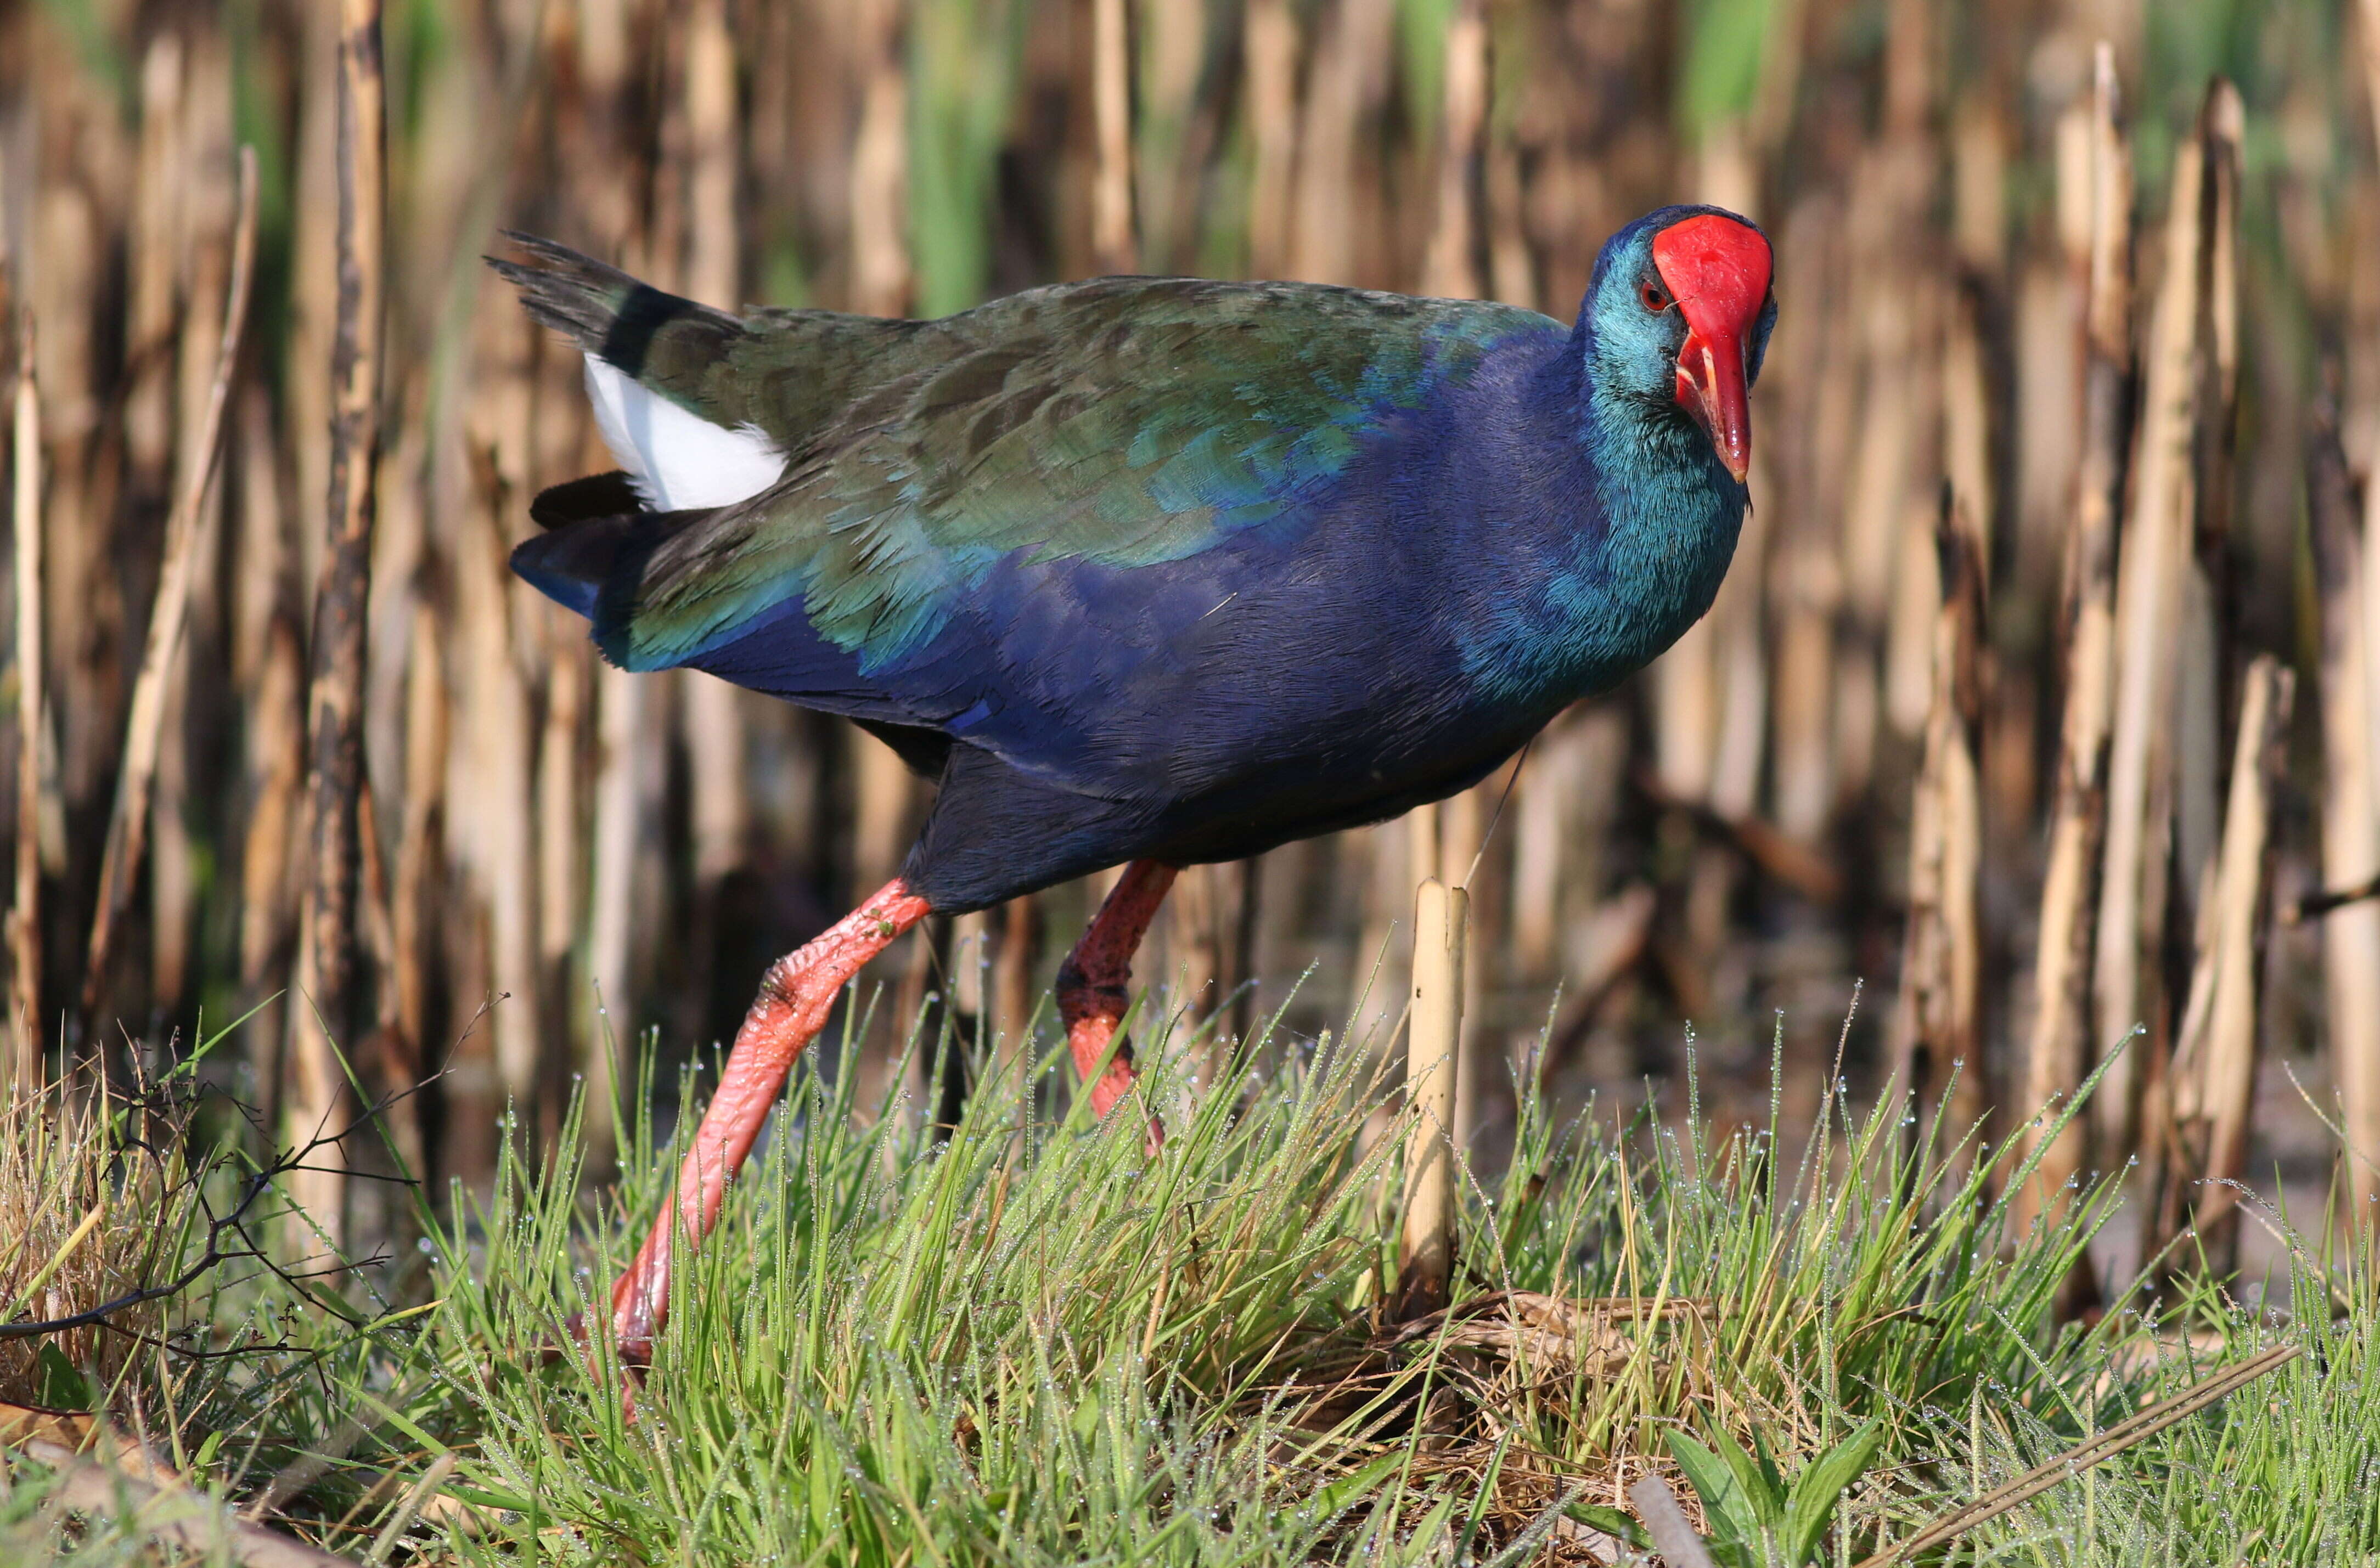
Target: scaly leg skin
x: 1094, y: 983
x: 796, y: 997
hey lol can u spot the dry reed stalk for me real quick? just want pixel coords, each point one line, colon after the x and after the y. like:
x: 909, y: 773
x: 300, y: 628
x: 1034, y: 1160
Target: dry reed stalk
x: 2059, y: 1043
x: 2153, y: 556
x: 1207, y: 904
x: 2212, y: 1079
x: 1176, y: 138
x: 884, y: 793
x: 1347, y: 82
x: 881, y: 273
x: 1433, y: 1068
x: 2208, y: 611
x: 1461, y: 823
x: 1268, y: 40
x: 25, y: 909
x: 187, y: 536
x: 313, y: 284
x: 153, y: 251
x: 413, y: 915
x: 498, y: 759
x: 81, y: 215
x: 1445, y: 836
x: 1815, y: 389
x: 268, y: 666
x: 560, y: 903
x: 1452, y: 270
x: 715, y: 713
x: 210, y: 213
x: 2350, y: 810
x: 334, y: 705
x: 1739, y: 665
x: 2370, y: 17
x: 1939, y: 1030
x: 1114, y: 247
x: 619, y: 796
x: 1013, y: 975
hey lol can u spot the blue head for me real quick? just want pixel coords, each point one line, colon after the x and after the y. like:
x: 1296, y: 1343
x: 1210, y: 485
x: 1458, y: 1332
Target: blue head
x: 1676, y: 321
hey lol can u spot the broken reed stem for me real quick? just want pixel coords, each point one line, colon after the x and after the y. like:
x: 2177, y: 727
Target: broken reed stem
x: 2214, y: 1075
x: 2146, y: 1424
x: 1425, y: 1253
x: 2153, y: 558
x: 334, y: 700
x: 24, y: 915
x: 2060, y: 1049
x: 144, y: 725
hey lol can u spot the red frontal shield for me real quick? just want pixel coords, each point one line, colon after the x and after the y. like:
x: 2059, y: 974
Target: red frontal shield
x: 1717, y: 270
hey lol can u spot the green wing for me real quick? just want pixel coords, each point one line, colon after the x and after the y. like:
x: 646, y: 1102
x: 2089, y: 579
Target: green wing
x: 1124, y: 421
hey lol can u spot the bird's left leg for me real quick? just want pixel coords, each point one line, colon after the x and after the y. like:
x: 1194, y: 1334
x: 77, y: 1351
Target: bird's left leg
x: 1094, y: 982
x: 796, y: 996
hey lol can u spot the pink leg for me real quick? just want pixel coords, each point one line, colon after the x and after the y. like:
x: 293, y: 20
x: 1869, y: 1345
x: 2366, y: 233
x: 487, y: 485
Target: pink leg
x: 796, y: 996
x: 1093, y: 983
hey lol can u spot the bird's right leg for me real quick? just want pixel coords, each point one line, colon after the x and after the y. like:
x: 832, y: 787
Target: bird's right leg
x: 1094, y: 983
x: 796, y: 997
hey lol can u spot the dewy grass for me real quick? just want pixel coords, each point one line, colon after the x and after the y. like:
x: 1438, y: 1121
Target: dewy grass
x: 1020, y: 1340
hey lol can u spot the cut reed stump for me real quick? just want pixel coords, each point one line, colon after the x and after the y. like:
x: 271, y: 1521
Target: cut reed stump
x: 325, y: 1017
x: 2154, y: 560
x: 2211, y: 1088
x: 2061, y: 1040
x: 1425, y: 1252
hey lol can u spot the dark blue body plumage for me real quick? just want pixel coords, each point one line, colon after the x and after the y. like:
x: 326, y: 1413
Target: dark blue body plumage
x: 1373, y: 580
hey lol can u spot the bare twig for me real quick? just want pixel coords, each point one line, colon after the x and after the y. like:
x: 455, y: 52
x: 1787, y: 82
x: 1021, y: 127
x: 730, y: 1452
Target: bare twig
x: 2313, y: 906
x: 144, y: 727
x: 229, y: 1237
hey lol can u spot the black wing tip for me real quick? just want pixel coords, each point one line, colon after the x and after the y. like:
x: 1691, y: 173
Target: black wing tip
x: 609, y: 494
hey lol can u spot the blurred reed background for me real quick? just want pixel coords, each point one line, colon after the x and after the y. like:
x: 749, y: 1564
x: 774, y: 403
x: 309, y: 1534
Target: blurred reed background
x: 2059, y: 451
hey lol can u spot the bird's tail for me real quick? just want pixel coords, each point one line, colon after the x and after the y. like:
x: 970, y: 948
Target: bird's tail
x: 605, y: 311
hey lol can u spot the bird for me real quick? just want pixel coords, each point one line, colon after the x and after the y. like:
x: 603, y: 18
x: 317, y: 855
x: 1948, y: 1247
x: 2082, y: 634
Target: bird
x: 1142, y: 571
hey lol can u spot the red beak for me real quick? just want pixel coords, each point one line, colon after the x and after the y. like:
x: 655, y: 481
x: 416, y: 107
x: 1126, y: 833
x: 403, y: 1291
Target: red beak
x: 1717, y: 269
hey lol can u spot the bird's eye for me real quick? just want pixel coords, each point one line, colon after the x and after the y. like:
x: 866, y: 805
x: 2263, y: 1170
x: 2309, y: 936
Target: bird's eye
x: 1656, y: 299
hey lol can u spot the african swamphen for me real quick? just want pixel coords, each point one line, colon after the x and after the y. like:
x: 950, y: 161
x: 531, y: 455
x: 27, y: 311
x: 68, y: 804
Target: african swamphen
x: 1146, y: 569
